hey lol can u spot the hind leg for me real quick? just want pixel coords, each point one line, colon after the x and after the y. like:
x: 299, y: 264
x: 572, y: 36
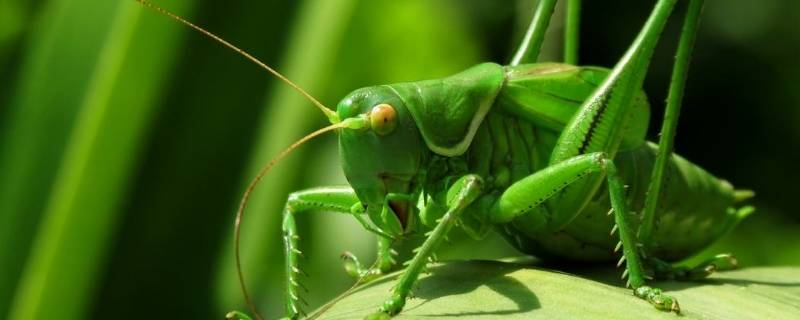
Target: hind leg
x: 663, y: 270
x: 572, y: 32
x: 526, y: 195
x: 630, y: 246
x: 528, y: 50
x: 667, y: 135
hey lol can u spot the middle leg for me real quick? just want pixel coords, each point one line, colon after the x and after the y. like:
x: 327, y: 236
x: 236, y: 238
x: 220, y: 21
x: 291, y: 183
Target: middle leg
x: 602, y: 121
x: 460, y: 195
x: 665, y: 143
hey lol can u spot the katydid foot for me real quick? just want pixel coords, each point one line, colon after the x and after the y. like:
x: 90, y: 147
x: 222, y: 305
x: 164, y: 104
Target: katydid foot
x: 659, y: 300
x: 237, y: 315
x: 394, y: 304
x: 390, y: 307
x: 665, y: 271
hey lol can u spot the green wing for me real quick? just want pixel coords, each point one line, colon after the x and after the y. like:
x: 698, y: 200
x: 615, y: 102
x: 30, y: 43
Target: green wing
x: 549, y: 94
x: 449, y: 111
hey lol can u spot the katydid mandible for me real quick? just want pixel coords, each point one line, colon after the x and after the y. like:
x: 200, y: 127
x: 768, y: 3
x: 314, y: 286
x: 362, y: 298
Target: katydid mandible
x: 551, y: 155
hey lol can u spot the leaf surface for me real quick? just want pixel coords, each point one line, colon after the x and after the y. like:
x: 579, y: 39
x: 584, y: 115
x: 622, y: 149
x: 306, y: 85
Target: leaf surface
x: 494, y: 290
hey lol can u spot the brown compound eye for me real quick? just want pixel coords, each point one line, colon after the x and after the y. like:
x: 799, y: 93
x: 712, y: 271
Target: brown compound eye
x: 383, y: 118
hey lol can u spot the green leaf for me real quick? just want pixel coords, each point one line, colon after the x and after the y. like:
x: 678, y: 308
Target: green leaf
x: 491, y: 290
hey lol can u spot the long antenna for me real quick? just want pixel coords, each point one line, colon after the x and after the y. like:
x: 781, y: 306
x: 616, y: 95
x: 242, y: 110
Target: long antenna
x: 243, y: 204
x: 332, y: 116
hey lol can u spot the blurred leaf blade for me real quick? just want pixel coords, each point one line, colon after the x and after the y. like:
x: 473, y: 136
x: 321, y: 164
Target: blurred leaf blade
x: 288, y: 116
x: 79, y: 218
x: 14, y: 21
x: 189, y: 174
x: 39, y: 117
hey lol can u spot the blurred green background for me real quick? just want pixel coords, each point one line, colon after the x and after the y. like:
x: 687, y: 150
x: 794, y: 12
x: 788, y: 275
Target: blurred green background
x: 126, y: 140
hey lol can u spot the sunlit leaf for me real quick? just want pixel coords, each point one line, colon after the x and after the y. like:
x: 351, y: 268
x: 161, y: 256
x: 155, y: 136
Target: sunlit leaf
x: 495, y: 290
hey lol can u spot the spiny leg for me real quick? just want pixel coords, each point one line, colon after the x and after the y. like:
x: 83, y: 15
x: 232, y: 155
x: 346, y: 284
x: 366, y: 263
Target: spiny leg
x: 599, y: 126
x: 335, y: 199
x: 528, y: 50
x: 601, y: 122
x: 460, y: 196
x: 665, y: 143
x: 663, y: 270
x: 525, y: 197
x: 332, y: 199
x: 630, y: 245
x: 572, y: 32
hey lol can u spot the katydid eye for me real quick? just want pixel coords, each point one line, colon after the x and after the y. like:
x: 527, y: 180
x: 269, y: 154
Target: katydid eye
x: 383, y: 118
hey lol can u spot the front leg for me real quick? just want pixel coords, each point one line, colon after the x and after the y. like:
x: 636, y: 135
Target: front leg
x: 332, y: 199
x: 459, y: 197
x: 329, y: 199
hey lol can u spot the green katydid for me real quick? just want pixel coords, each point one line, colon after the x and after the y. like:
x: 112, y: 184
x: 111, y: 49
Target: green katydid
x: 553, y: 156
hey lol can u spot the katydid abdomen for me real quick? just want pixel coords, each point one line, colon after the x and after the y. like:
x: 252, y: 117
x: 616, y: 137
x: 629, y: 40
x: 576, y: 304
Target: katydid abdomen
x: 517, y: 138
x: 696, y: 209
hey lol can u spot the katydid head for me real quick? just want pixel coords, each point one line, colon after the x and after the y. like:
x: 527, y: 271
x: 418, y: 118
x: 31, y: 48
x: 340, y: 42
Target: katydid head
x: 382, y: 160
